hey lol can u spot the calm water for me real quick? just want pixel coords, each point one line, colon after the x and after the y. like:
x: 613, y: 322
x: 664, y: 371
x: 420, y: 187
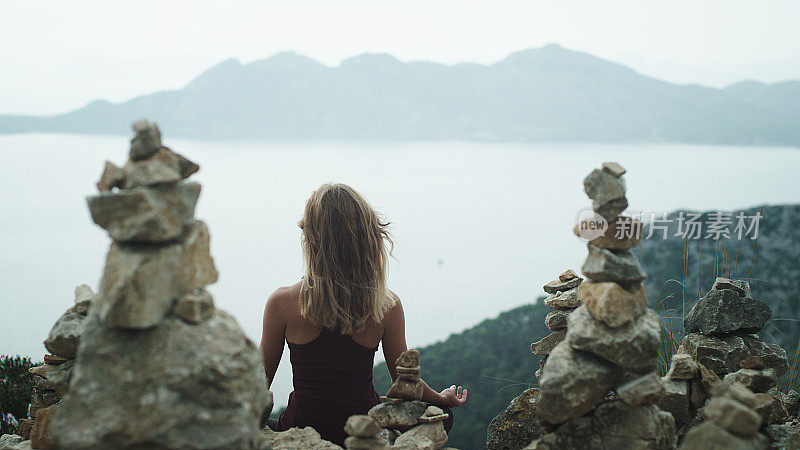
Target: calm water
x: 479, y: 228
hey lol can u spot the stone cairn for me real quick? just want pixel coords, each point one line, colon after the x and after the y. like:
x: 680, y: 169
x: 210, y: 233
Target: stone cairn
x: 563, y: 300
x: 402, y: 419
x: 721, y: 347
x: 149, y: 362
x: 611, y: 343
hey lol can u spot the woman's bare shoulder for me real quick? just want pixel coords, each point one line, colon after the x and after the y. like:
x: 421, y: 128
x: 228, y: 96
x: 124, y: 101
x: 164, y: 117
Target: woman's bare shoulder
x: 284, y: 298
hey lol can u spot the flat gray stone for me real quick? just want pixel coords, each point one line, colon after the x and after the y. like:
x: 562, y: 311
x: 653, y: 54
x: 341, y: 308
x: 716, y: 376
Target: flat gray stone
x: 641, y: 390
x: 724, y: 311
x: 573, y: 383
x: 401, y: 416
x: 723, y: 353
x: 620, y: 266
x: 155, y: 214
x: 633, y: 346
x: 556, y: 320
x: 568, y: 299
x: 557, y: 286
x: 548, y: 343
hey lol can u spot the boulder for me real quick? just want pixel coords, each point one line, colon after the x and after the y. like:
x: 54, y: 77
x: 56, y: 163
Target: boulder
x: 154, y: 214
x: 641, y: 390
x: 174, y: 385
x: 557, y: 286
x: 724, y: 311
x: 623, y: 233
x: 723, y: 353
x: 194, y: 307
x: 613, y: 426
x: 708, y: 435
x: 140, y: 282
x: 517, y: 425
x: 621, y: 266
x: 556, y: 320
x: 66, y: 334
x: 755, y: 380
x: 682, y: 367
x: 633, y: 346
x: 563, y: 300
x: 607, y: 193
x: 612, y: 304
x: 431, y: 431
x: 548, y: 343
x: 295, y: 438
x: 573, y: 383
x: 676, y: 401
x: 400, y: 416
x: 146, y: 141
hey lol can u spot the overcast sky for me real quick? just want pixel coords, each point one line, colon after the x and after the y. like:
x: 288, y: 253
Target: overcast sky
x: 56, y: 55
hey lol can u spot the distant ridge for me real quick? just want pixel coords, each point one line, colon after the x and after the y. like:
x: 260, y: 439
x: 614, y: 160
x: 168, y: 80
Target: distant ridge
x: 549, y: 94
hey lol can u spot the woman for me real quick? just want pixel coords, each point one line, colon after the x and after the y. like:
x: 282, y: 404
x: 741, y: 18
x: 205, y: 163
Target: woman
x: 335, y: 317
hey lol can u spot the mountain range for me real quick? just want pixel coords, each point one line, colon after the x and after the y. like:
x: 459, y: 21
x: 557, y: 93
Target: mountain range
x: 549, y: 94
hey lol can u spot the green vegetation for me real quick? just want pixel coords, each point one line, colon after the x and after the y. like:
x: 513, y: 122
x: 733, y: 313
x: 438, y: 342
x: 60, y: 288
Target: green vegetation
x: 15, y: 391
x: 492, y: 360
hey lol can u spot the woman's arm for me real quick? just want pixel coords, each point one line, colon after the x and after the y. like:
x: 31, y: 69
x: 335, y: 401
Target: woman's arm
x: 272, y: 335
x: 394, y: 343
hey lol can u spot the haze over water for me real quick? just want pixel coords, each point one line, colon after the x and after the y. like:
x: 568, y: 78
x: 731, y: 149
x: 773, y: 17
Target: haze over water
x: 479, y: 227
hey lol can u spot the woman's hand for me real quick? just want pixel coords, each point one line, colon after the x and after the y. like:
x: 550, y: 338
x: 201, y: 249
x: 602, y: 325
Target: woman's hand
x: 452, y: 396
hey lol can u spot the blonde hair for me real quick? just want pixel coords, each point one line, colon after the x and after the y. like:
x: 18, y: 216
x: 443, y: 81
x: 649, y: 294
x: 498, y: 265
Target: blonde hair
x: 346, y: 260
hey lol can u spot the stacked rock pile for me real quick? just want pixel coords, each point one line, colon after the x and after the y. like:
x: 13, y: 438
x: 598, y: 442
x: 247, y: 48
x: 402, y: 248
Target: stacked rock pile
x: 157, y: 364
x: 406, y: 421
x: 51, y: 380
x: 730, y: 421
x: 563, y: 300
x: 611, y: 343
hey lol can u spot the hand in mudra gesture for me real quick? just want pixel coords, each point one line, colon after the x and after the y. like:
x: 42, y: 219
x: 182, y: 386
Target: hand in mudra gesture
x: 453, y: 396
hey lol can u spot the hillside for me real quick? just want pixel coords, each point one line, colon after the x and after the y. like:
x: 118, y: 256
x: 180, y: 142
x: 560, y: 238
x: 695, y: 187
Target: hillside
x: 499, y: 348
x: 536, y: 95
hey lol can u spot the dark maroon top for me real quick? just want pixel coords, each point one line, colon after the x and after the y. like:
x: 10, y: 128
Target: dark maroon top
x: 332, y: 377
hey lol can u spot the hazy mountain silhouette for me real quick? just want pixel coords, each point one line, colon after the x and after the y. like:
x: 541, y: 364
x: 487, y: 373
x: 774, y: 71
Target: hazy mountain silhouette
x: 546, y: 94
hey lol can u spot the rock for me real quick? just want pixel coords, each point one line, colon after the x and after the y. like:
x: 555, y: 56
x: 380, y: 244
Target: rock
x: 722, y: 353
x: 9, y: 441
x: 361, y: 426
x: 432, y: 431
x: 175, y: 385
x: 698, y: 394
x: 112, y: 177
x: 163, y: 167
x: 140, y: 282
x: 613, y: 426
x: 708, y: 378
x: 612, y: 304
x: 733, y: 416
x: 792, y: 403
x: 433, y: 414
x: 783, y: 436
x: 612, y: 265
x: 296, y: 438
x: 573, y: 383
x: 57, y: 377
x: 607, y: 193
x: 708, y: 435
x: 755, y: 380
x: 358, y: 443
x: 770, y: 409
x: 548, y: 343
x: 155, y: 214
x: 633, y: 346
x: 567, y: 275
x: 725, y: 312
x: 517, y: 425
x: 614, y: 169
x: 676, y: 401
x: 682, y: 367
x: 557, y: 286
x: 736, y: 392
x: 84, y: 297
x: 641, y: 390
x: 409, y: 358
x: 741, y: 287
x: 42, y: 399
x: 42, y: 435
x: 623, y: 233
x: 194, y: 307
x: 401, y: 416
x: 54, y: 360
x: 65, y: 335
x: 753, y: 362
x: 556, y: 320
x: 147, y: 140
x: 25, y: 427
x: 563, y: 300
x: 405, y: 389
